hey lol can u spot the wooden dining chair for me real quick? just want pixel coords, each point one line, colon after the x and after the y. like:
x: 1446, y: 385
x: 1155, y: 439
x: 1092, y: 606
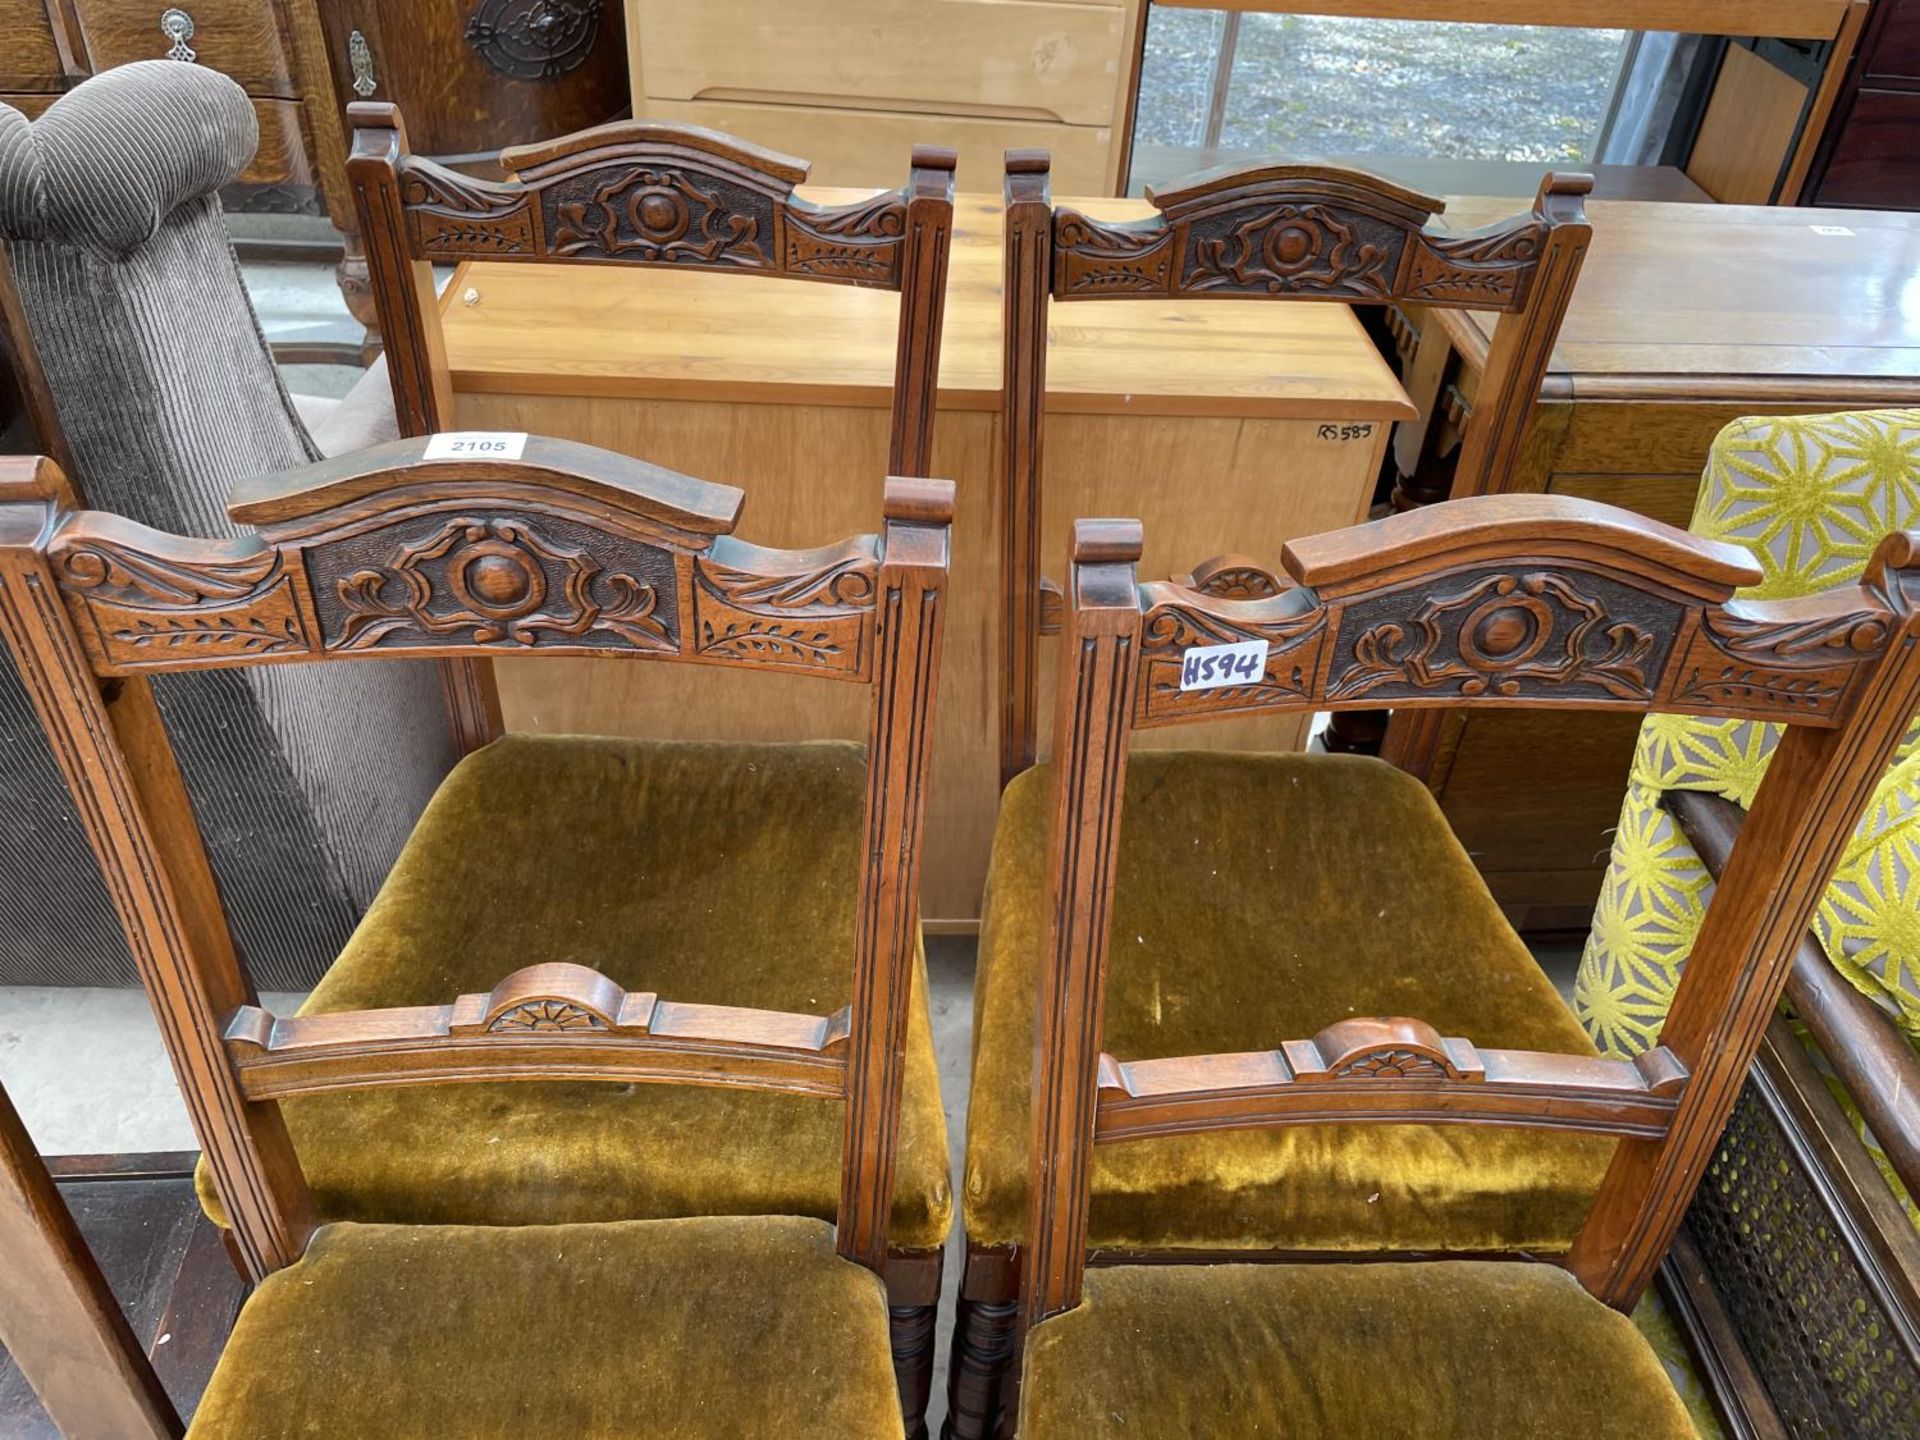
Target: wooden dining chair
x: 59, y: 1323
x: 1269, y: 232
x: 583, y: 916
x: 644, y: 193
x: 1171, y: 925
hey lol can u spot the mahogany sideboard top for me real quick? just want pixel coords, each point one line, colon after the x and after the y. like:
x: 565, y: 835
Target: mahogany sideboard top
x: 1226, y: 426
x: 1694, y: 302
x: 1686, y: 317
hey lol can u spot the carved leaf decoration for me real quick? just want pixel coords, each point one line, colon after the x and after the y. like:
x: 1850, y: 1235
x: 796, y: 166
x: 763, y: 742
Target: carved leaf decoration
x: 130, y: 576
x: 860, y: 242
x: 1097, y: 258
x: 1489, y: 269
x: 769, y: 639
x: 845, y: 585
x: 1808, y: 644
x: 1172, y: 626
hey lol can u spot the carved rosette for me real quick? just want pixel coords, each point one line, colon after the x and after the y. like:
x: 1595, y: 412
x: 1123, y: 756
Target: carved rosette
x: 659, y: 213
x: 1483, y: 269
x: 455, y: 217
x: 1770, y: 665
x: 1091, y: 258
x: 861, y: 243
x: 1170, y: 627
x: 1506, y: 634
x: 1292, y: 248
x: 494, y: 580
x: 817, y: 619
x: 139, y: 609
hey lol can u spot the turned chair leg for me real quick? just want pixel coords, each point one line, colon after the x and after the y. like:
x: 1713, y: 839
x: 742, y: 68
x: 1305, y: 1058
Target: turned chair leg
x: 983, y: 1339
x: 911, y: 1328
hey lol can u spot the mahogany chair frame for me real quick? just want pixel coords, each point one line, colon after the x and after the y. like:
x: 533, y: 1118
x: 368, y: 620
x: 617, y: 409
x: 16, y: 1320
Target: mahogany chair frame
x: 571, y: 551
x: 1508, y: 601
x: 643, y: 193
x: 1275, y: 232
x: 58, y: 1318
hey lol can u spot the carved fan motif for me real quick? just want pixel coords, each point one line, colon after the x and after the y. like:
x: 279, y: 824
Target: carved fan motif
x: 546, y: 1015
x: 1392, y: 1065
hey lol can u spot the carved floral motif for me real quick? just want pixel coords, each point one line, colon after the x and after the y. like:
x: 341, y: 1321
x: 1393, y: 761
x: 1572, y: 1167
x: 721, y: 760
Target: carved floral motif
x: 534, y: 39
x: 1502, y: 634
x: 659, y: 213
x: 499, y: 579
x: 1294, y: 247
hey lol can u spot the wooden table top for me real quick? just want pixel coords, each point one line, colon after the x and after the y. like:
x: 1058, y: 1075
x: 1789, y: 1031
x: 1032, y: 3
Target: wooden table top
x: 1726, y: 301
x: 618, y: 331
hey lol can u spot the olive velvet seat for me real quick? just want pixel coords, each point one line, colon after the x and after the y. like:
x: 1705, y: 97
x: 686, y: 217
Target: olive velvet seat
x: 636, y: 1330
x: 1264, y: 895
x: 716, y: 874
x: 1337, y: 1352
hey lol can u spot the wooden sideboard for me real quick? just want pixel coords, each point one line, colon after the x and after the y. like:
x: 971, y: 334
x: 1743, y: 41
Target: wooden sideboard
x: 1685, y: 317
x: 1870, y: 153
x: 851, y: 84
x: 1226, y: 426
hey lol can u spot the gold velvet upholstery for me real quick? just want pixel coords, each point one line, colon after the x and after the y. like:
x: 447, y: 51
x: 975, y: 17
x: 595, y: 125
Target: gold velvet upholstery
x: 1478, y: 1350
x: 705, y: 1329
x: 720, y: 874
x: 1260, y: 898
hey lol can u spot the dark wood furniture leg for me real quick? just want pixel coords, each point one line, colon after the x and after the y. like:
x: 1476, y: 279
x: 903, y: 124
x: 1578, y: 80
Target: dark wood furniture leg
x: 58, y: 1319
x: 913, y: 1311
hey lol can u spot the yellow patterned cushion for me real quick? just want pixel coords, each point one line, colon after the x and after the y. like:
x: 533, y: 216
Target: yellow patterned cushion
x: 1810, y: 497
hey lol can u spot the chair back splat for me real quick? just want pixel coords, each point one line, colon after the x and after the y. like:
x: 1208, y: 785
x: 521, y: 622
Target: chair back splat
x: 650, y: 194
x: 1275, y: 232
x: 569, y: 551
x: 1517, y: 601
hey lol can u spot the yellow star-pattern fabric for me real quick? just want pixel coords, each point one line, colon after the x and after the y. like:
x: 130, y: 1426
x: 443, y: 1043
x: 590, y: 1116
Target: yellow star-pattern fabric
x: 1809, y: 497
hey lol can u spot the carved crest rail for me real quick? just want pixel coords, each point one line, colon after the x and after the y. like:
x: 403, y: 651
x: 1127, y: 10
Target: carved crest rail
x: 454, y: 558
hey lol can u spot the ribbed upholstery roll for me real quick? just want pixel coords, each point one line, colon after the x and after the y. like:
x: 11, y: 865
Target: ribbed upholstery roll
x: 305, y: 779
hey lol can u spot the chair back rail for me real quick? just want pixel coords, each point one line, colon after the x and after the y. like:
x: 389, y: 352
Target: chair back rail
x: 1280, y: 232
x: 568, y: 551
x: 1491, y: 601
x: 637, y: 193
x: 59, y: 1320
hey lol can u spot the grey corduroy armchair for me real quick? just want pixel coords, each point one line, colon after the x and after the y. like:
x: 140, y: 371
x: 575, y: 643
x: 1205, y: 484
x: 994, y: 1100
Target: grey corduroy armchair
x: 165, y: 392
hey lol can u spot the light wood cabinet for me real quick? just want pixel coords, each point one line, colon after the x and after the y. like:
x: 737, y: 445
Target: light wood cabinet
x: 851, y: 85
